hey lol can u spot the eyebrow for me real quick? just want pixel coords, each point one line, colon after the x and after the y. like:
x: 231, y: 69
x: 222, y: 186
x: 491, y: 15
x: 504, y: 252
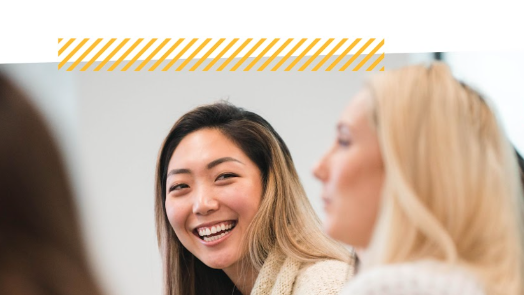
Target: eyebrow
x: 222, y: 160
x: 211, y: 165
x: 178, y: 171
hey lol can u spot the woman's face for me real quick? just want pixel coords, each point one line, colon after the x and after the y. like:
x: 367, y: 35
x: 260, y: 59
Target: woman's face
x: 352, y: 174
x: 213, y: 192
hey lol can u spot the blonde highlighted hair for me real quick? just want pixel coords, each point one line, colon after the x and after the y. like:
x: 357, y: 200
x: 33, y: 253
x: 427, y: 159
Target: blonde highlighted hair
x: 285, y: 220
x: 452, y: 190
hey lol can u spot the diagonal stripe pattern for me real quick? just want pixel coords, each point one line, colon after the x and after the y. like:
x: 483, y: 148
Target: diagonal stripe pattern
x: 219, y: 54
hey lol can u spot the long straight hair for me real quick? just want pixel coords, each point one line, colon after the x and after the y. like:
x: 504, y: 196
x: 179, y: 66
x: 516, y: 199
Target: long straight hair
x: 452, y: 190
x: 285, y: 220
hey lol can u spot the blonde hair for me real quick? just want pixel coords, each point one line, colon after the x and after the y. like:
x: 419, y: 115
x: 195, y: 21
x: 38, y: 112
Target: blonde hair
x: 285, y: 220
x: 452, y: 190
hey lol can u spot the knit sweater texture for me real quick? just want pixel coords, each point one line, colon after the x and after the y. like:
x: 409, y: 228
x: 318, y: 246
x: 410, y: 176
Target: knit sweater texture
x: 281, y: 275
x: 418, y: 278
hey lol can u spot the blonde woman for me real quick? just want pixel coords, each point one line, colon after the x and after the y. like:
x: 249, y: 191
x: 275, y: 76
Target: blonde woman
x: 232, y: 216
x: 423, y: 180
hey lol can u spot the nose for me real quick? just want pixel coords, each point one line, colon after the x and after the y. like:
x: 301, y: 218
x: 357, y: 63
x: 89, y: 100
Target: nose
x: 320, y: 170
x: 205, y: 203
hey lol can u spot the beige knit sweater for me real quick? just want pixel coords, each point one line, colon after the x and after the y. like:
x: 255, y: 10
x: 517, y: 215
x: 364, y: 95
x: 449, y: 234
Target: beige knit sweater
x: 281, y: 275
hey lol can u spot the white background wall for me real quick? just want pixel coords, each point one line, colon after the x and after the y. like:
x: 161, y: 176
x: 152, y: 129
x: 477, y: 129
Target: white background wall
x: 499, y: 76
x: 111, y: 124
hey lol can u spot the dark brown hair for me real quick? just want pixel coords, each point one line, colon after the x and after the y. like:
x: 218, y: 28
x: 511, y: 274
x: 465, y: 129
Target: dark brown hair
x: 521, y: 167
x: 41, y: 248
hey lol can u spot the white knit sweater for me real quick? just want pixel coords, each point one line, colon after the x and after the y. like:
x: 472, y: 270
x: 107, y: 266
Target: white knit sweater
x: 281, y: 275
x: 419, y: 278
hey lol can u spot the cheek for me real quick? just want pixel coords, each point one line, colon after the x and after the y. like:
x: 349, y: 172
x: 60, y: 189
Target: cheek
x: 356, y: 175
x: 352, y: 219
x: 356, y: 188
x: 177, y: 213
x: 343, y: 179
x: 243, y: 199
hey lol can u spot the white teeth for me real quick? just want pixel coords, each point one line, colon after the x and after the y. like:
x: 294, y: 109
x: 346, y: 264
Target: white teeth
x: 203, y: 232
x: 214, y: 238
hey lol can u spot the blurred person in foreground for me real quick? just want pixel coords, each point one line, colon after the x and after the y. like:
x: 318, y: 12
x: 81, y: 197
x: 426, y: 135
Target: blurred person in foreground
x: 422, y: 179
x: 41, y: 249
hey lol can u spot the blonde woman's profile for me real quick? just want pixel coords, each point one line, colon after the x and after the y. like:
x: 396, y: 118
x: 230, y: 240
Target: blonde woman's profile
x: 423, y: 180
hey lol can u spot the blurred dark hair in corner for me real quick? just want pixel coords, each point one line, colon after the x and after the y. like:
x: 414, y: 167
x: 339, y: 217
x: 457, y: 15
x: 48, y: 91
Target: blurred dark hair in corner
x: 41, y: 247
x: 521, y: 166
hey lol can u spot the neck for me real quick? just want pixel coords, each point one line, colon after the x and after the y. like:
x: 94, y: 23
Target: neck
x: 362, y: 258
x: 243, y: 275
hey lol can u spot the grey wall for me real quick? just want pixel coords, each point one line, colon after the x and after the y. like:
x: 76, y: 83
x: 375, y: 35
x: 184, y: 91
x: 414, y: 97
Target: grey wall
x: 120, y: 120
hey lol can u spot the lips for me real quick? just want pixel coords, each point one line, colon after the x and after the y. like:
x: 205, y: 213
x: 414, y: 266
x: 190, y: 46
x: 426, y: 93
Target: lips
x: 210, y: 233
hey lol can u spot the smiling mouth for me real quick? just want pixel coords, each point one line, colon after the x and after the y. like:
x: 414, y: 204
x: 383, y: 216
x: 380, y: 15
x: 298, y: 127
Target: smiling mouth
x: 215, y: 232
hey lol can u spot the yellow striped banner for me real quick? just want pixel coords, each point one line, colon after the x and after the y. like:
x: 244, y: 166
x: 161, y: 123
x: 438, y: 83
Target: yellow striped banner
x: 218, y: 54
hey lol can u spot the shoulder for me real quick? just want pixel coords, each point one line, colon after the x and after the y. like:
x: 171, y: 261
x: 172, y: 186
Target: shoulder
x: 420, y: 278
x: 325, y: 277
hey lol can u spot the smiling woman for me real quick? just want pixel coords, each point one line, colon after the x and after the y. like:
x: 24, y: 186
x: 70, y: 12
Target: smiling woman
x: 211, y: 203
x: 232, y: 216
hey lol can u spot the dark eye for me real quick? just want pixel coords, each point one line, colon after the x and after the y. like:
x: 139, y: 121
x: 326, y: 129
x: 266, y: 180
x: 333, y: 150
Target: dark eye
x: 226, y: 176
x: 343, y: 142
x: 178, y: 187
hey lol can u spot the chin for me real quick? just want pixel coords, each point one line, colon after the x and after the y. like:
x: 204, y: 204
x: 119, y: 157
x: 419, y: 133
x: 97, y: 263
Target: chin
x: 220, y: 262
x: 218, y: 265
